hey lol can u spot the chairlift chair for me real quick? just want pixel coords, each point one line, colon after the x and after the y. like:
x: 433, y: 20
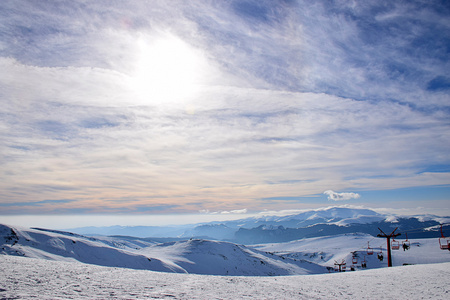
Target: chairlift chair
x: 406, y: 244
x: 369, y: 250
x: 363, y: 263
x: 395, y: 245
x: 354, y: 260
x: 444, y: 242
x: 380, y: 254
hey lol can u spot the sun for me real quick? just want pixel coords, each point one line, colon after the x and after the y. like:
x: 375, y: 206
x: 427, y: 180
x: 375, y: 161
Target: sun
x: 167, y: 70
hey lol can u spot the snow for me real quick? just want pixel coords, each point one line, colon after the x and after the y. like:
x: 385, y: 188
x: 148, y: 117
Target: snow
x: 358, y: 220
x: 392, y: 219
x: 28, y: 278
x: 326, y: 250
x: 189, y: 256
x: 62, y: 265
x: 222, y: 258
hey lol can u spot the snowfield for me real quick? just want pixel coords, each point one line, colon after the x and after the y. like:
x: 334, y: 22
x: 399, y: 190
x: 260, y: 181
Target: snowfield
x: 49, y: 264
x: 26, y: 278
x: 188, y: 256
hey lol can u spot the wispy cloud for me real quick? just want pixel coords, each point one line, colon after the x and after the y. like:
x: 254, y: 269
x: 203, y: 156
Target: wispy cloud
x: 225, y: 212
x: 290, y: 99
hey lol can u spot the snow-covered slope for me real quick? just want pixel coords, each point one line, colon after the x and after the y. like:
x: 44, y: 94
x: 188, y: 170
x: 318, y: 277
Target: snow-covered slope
x: 28, y: 278
x: 330, y: 249
x: 223, y: 258
x: 68, y: 247
x: 190, y: 256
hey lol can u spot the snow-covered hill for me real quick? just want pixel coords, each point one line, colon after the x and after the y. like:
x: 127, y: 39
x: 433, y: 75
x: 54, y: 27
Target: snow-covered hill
x: 223, y: 258
x: 27, y: 278
x: 189, y: 256
x: 62, y: 246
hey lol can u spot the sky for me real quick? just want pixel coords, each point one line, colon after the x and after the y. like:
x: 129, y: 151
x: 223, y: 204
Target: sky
x: 157, y: 108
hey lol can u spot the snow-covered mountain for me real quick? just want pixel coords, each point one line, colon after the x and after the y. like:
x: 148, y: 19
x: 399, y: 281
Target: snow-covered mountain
x: 315, y: 223
x: 267, y: 229
x: 330, y: 215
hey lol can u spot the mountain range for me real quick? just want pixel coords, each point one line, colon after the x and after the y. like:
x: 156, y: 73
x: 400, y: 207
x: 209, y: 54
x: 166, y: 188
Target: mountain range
x: 268, y: 229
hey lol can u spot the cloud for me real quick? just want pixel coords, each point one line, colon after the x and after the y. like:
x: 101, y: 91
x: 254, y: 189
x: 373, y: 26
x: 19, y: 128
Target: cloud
x: 224, y: 212
x: 236, y: 211
x: 295, y: 98
x: 340, y: 196
x: 37, y: 203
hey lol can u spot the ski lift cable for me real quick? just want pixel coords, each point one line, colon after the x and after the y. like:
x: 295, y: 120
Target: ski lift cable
x: 421, y: 228
x: 364, y: 247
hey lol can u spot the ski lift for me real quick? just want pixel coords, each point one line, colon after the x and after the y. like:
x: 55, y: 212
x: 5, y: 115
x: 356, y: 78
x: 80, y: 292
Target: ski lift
x: 354, y: 260
x: 406, y: 244
x: 444, y: 243
x: 395, y: 245
x: 369, y: 250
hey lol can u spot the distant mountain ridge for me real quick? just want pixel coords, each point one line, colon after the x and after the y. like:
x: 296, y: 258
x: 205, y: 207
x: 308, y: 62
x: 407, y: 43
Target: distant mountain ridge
x: 266, y: 229
x: 262, y: 234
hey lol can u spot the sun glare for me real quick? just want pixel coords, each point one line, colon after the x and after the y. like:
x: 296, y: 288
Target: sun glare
x: 167, y: 70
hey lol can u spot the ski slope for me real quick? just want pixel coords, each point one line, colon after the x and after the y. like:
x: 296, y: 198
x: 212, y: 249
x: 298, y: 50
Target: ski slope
x: 28, y: 278
x: 189, y: 256
x: 327, y: 250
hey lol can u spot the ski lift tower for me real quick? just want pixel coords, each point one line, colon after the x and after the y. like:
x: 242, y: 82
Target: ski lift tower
x: 388, y: 238
x: 340, y: 266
